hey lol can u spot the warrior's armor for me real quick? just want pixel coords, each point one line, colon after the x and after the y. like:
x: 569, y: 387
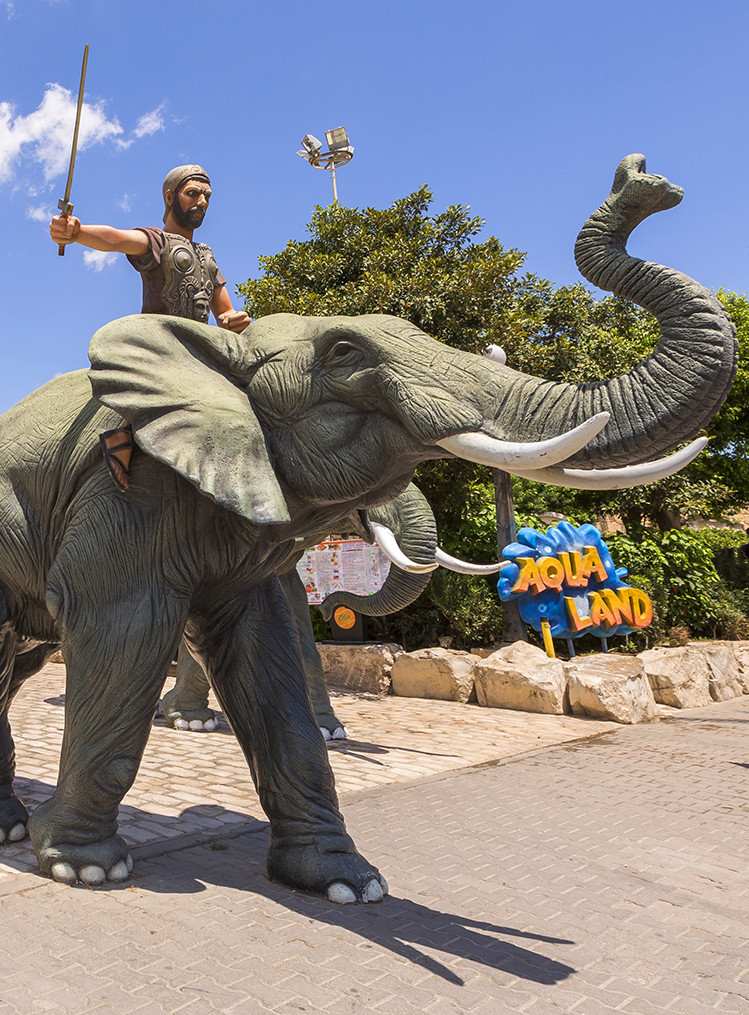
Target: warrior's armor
x: 179, y: 276
x: 179, y: 279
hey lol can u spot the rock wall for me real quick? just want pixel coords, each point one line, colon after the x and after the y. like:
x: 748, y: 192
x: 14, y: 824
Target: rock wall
x: 614, y: 686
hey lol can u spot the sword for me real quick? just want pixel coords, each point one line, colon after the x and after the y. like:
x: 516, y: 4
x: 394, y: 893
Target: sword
x: 66, y: 208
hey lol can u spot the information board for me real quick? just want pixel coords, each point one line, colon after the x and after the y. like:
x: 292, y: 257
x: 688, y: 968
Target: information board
x: 350, y: 565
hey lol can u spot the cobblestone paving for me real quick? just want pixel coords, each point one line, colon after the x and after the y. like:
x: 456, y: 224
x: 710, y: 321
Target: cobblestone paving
x: 601, y: 875
x: 191, y: 783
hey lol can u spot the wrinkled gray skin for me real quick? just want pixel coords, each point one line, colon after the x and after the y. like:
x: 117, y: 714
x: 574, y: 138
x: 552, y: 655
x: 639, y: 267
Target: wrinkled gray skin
x: 187, y: 701
x: 251, y: 447
x: 411, y: 520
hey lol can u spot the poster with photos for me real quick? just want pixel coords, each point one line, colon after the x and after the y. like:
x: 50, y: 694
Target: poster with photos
x: 349, y: 565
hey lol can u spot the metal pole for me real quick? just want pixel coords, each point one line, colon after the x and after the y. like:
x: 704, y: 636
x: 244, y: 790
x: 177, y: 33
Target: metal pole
x: 513, y: 628
x: 332, y: 180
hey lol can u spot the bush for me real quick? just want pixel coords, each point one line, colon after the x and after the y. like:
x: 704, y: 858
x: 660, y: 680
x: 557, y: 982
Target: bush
x: 695, y: 578
x: 462, y: 608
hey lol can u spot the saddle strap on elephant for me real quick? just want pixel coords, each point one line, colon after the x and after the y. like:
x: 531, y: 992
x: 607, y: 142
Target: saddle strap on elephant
x: 117, y: 446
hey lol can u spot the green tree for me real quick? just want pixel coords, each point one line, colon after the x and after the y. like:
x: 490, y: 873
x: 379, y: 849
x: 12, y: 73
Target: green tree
x: 399, y: 260
x: 433, y: 270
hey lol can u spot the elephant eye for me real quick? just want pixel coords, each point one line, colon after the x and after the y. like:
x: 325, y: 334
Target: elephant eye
x: 343, y: 351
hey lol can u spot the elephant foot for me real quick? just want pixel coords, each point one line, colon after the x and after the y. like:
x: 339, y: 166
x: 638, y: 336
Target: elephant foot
x: 336, y: 733
x: 341, y: 877
x: 330, y: 725
x: 92, y: 864
x: 14, y: 820
x: 191, y: 715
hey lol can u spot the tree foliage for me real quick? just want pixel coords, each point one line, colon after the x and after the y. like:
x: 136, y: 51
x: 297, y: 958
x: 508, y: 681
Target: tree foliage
x: 399, y: 260
x: 433, y: 270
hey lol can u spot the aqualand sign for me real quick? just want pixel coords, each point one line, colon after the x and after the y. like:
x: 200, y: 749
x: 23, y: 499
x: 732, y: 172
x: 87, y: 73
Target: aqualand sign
x: 566, y: 578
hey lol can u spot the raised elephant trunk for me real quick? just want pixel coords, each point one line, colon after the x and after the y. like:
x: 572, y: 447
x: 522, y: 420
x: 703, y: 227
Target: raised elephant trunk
x: 670, y: 396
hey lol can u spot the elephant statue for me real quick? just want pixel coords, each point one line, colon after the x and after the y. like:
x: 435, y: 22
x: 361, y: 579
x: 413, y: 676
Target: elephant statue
x: 406, y: 529
x: 249, y: 448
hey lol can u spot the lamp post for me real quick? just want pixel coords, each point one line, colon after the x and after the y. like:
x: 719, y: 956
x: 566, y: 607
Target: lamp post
x: 339, y: 153
x: 513, y: 628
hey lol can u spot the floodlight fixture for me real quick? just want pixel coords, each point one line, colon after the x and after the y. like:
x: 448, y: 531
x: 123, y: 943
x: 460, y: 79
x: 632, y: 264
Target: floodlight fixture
x: 339, y: 153
x: 311, y: 144
x: 337, y: 139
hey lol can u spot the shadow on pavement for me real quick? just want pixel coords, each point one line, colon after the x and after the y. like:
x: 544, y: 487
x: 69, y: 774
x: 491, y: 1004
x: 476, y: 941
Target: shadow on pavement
x: 397, y: 925
x: 362, y: 749
x: 195, y: 824
x: 237, y: 861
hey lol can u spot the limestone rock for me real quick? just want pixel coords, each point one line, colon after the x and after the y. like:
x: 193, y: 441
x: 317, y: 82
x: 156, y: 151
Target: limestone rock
x: 364, y: 667
x: 435, y: 673
x: 741, y: 648
x: 723, y: 667
x: 522, y: 677
x: 483, y: 653
x: 610, y: 686
x: 679, y: 677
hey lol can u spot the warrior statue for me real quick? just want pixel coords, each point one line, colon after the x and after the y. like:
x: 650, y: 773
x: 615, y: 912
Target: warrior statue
x: 180, y: 277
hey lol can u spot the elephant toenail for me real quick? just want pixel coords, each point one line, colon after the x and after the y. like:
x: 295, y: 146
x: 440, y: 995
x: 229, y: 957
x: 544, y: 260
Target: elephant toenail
x: 373, y: 892
x: 63, y: 872
x: 17, y: 832
x: 119, y: 872
x: 341, y: 894
x: 92, y: 874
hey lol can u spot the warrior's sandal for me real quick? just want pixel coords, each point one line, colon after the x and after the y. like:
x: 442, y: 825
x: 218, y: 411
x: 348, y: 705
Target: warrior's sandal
x: 117, y: 446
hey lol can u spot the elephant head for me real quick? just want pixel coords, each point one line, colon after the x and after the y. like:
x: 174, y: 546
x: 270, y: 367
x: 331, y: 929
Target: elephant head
x: 406, y: 532
x: 299, y: 421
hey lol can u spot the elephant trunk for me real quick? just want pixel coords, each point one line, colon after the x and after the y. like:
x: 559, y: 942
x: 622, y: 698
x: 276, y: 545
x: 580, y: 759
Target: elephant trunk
x: 670, y: 396
x: 411, y: 520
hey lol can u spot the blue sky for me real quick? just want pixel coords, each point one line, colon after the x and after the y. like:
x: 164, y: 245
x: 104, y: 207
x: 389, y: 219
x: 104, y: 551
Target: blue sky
x: 519, y: 108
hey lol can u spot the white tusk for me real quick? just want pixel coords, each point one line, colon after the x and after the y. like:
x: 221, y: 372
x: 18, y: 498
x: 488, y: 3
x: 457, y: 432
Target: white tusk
x: 463, y: 567
x: 385, y: 539
x: 508, y: 455
x: 616, y: 479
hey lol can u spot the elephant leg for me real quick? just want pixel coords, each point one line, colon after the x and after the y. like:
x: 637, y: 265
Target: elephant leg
x: 186, y: 706
x: 15, y: 668
x: 117, y: 654
x: 257, y: 672
x: 330, y: 726
x: 13, y: 815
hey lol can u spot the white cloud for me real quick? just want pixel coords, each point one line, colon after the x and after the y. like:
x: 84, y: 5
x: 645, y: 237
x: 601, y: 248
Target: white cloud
x: 151, y: 122
x: 148, y: 124
x: 124, y: 203
x: 40, y: 213
x: 97, y: 260
x: 44, y: 136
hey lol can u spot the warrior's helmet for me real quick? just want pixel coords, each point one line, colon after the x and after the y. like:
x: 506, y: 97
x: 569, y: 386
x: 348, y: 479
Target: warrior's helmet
x: 179, y: 175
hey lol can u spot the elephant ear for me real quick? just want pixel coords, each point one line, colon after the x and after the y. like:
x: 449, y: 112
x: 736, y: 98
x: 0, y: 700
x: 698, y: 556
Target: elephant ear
x: 177, y: 382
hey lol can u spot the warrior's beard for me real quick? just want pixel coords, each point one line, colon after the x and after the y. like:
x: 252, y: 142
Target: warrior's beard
x: 190, y: 219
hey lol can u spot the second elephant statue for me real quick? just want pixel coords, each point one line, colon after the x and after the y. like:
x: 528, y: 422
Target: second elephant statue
x: 410, y: 520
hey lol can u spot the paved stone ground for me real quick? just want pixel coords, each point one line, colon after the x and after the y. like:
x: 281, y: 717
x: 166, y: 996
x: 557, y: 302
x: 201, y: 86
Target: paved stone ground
x: 178, y: 792
x: 605, y: 874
